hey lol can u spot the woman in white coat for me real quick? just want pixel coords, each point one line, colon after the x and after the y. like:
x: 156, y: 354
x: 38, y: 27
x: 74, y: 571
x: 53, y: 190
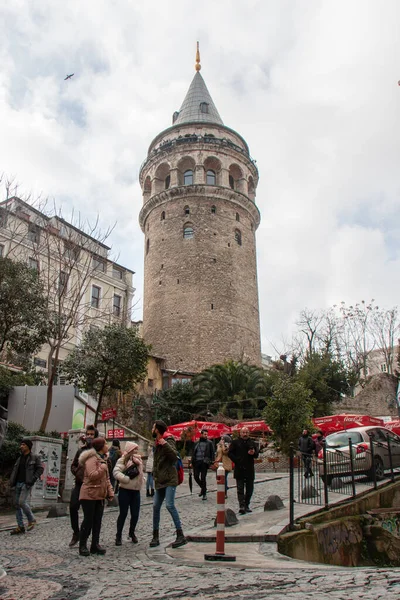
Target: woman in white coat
x: 129, y: 473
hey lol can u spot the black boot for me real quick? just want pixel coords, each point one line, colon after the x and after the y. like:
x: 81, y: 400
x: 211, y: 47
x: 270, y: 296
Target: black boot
x: 118, y: 539
x: 147, y: 494
x: 180, y: 539
x: 83, y: 549
x: 152, y: 492
x: 156, y: 540
x: 97, y: 549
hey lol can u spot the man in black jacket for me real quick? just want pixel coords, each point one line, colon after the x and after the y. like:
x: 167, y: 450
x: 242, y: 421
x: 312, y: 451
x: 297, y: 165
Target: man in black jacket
x: 27, y: 470
x: 242, y: 453
x: 202, y: 457
x: 306, y: 446
x: 77, y: 470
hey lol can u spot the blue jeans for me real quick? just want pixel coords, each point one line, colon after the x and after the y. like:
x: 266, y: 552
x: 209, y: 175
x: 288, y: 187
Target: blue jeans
x: 149, y: 482
x: 22, y: 494
x: 128, y: 500
x: 167, y: 494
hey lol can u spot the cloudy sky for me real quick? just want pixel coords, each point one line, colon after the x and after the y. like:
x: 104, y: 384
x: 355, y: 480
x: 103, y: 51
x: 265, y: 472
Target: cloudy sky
x: 311, y: 85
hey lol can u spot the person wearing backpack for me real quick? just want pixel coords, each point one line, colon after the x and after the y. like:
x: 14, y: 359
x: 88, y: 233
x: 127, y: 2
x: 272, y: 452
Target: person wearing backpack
x: 203, y: 456
x: 165, y: 481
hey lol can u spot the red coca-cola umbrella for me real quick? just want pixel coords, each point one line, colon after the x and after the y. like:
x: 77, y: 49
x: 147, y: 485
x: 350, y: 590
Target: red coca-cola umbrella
x: 253, y: 426
x: 333, y: 423
x: 393, y: 426
x: 192, y: 429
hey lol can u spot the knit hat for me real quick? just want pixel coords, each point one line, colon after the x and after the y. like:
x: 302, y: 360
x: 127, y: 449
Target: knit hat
x: 116, y: 443
x: 98, y: 443
x: 27, y: 443
x: 129, y: 447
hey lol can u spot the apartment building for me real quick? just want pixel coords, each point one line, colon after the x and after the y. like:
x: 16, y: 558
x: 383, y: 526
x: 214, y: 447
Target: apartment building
x: 84, y: 287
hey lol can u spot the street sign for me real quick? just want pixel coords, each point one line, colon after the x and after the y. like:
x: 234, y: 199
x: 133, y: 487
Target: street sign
x: 109, y: 413
x: 115, y: 433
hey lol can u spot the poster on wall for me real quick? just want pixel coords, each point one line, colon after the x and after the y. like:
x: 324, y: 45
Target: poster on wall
x: 78, y: 417
x: 41, y: 449
x: 53, y: 471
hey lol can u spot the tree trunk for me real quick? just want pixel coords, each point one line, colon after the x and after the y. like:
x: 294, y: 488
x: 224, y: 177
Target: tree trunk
x: 49, y: 395
x: 103, y: 387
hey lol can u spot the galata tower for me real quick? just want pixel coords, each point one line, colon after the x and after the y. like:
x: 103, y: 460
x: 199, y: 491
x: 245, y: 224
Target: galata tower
x: 199, y: 219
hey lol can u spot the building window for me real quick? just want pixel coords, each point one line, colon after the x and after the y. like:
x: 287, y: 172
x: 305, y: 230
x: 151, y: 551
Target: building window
x: 33, y: 233
x: 150, y: 383
x: 187, y: 210
x: 213, y: 209
x: 95, y: 296
x: 384, y: 368
x: 163, y: 215
x: 212, y: 306
x: 238, y: 237
x: 211, y: 177
x: 62, y: 282
x: 71, y: 251
x: 33, y: 264
x: 237, y: 217
x: 147, y: 246
x: 117, y: 305
x: 167, y: 181
x: 231, y: 182
x: 1, y: 250
x: 3, y: 218
x: 204, y: 108
x: 99, y: 264
x: 188, y: 232
x: 117, y: 273
x: 188, y: 177
x: 40, y: 362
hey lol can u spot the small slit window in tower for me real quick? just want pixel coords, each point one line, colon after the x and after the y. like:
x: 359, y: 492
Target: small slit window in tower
x: 231, y: 182
x: 188, y: 177
x: 211, y: 178
x: 188, y: 232
x: 212, y: 306
x: 237, y: 217
x: 204, y: 107
x: 213, y: 209
x: 167, y: 181
x: 238, y: 237
x: 163, y: 215
x: 177, y: 281
x: 147, y: 246
x: 187, y: 210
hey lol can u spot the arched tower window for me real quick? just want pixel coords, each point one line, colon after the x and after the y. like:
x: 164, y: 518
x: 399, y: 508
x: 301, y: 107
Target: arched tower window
x: 147, y: 186
x: 204, y: 107
x: 238, y: 237
x: 235, y: 178
x: 187, y: 210
x: 237, y: 217
x: 167, y: 181
x: 251, y: 191
x: 211, y: 177
x: 188, y: 231
x: 188, y: 177
x: 213, y: 209
x: 163, y: 215
x: 160, y: 177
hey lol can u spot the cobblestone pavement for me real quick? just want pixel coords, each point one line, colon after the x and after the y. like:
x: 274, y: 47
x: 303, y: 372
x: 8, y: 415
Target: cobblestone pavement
x: 40, y: 566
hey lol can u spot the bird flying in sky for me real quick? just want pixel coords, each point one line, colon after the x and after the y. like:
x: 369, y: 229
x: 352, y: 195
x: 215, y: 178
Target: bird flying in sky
x: 69, y: 76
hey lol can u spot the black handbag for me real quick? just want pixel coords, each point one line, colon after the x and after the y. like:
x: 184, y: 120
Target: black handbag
x: 132, y: 471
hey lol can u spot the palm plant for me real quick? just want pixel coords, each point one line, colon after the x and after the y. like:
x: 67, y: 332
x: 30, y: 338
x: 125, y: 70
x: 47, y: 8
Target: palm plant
x: 233, y: 388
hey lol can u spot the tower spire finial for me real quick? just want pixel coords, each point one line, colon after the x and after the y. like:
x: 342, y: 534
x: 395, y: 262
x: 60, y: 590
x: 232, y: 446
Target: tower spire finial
x: 197, y: 65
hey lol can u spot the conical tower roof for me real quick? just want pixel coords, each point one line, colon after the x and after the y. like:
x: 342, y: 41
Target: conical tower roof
x: 198, y: 106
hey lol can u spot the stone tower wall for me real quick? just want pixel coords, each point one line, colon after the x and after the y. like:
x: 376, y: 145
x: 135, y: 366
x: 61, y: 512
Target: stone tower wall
x: 200, y: 293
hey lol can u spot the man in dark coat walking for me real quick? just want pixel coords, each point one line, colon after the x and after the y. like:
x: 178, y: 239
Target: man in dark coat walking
x: 27, y: 470
x: 242, y: 453
x: 202, y: 457
x: 306, y: 446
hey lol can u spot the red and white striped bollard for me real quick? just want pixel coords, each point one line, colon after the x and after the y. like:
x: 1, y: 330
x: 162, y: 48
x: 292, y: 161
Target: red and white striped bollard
x: 220, y: 538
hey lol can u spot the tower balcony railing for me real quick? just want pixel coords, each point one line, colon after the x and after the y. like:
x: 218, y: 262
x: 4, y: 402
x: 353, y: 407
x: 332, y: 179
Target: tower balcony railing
x: 192, y: 138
